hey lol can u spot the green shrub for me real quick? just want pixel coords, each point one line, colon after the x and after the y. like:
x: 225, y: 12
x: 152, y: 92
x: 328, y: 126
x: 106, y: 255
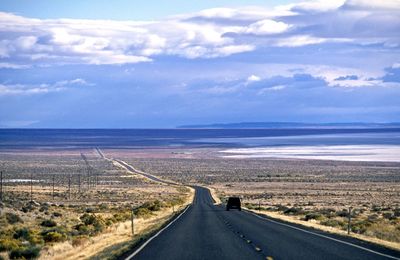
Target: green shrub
x: 27, y: 208
x: 99, y: 225
x: 57, y: 214
x: 108, y: 222
x: 373, y: 218
x: 250, y: 206
x: 43, y: 208
x: 152, y: 206
x: 94, y: 224
x: 332, y: 223
x: 293, y: 211
x: 282, y: 208
x: 360, y: 227
x: 90, y: 210
x: 103, y: 206
x: 343, y: 213
x: 13, y: 218
x: 82, y: 229
x: 388, y: 215
x: 142, y: 212
x: 28, y: 235
x: 54, y: 236
x: 118, y: 217
x: 176, y: 201
x: 48, y: 223
x: 327, y: 212
x: 310, y: 216
x: 29, y: 252
x: 8, y: 244
x: 376, y: 208
x: 88, y: 219
x: 23, y: 233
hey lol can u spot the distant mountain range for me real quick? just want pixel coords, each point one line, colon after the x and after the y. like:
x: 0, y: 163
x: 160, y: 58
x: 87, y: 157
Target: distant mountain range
x: 244, y: 125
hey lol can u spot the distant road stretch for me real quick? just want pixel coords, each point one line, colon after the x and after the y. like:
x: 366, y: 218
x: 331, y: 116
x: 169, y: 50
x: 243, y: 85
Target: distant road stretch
x: 134, y: 170
x: 206, y: 231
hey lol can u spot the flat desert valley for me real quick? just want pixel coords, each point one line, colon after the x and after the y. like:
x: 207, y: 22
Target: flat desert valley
x: 68, y: 199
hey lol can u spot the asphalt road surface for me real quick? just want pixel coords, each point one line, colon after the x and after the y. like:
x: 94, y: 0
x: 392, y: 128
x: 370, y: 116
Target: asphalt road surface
x: 206, y: 231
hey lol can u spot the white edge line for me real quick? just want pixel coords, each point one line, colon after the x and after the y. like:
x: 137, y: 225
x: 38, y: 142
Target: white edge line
x: 156, y: 235
x: 320, y: 235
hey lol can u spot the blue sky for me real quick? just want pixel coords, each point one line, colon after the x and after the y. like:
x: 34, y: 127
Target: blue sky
x: 152, y: 64
x: 121, y: 9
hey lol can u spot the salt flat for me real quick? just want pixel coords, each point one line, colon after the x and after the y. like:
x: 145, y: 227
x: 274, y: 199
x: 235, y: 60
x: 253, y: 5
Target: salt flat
x: 384, y: 153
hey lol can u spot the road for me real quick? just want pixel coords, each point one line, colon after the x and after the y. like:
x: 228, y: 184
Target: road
x: 134, y: 170
x: 207, y: 231
x: 149, y: 176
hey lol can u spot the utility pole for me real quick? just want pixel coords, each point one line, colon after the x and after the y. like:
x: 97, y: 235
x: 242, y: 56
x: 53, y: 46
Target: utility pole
x: 259, y: 204
x: 52, y: 193
x: 1, y: 186
x: 132, y: 222
x: 89, y: 174
x: 69, y: 187
x: 31, y: 187
x: 349, y: 221
x: 79, y: 183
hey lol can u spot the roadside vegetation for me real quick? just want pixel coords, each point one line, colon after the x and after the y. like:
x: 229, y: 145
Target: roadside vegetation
x: 381, y: 223
x: 79, y: 212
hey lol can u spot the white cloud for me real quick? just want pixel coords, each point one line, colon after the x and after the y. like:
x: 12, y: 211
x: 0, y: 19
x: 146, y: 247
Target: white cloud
x: 20, y: 89
x: 6, y: 65
x: 373, y: 4
x: 315, y: 6
x: 267, y: 26
x: 218, y: 12
x: 264, y: 91
x: 253, y: 78
x: 300, y: 40
x: 6, y: 90
x: 209, y: 33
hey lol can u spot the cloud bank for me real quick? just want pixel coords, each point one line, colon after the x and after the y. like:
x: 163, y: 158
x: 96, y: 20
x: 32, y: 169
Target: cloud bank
x: 210, y: 33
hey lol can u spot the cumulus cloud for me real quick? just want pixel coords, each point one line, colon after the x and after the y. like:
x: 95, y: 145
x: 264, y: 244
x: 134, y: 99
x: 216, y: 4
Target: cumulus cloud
x: 267, y: 26
x: 211, y: 33
x: 253, y: 78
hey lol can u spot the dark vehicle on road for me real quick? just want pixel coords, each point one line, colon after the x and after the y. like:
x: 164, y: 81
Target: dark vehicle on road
x: 233, y: 203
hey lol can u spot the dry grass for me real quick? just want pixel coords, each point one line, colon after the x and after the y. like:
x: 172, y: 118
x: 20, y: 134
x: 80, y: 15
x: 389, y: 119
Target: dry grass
x: 313, y: 224
x: 114, y: 235
x: 105, y: 191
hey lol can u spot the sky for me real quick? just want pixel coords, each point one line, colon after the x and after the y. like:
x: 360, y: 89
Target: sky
x: 150, y: 64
